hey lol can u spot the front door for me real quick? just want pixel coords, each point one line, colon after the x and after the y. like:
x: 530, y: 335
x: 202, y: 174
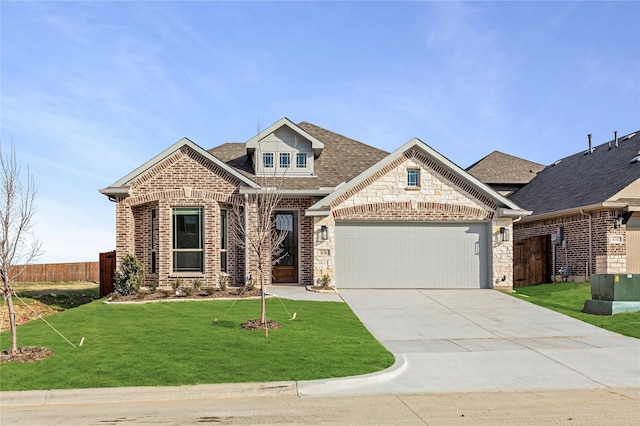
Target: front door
x: 286, y: 269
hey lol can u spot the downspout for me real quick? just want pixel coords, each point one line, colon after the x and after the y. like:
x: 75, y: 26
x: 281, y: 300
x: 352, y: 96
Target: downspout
x: 583, y: 213
x: 246, y: 238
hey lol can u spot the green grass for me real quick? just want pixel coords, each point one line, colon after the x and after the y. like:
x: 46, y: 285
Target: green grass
x: 568, y: 299
x: 178, y: 343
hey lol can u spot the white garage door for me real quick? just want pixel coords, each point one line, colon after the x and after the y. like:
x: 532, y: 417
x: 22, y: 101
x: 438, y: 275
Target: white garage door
x: 411, y: 255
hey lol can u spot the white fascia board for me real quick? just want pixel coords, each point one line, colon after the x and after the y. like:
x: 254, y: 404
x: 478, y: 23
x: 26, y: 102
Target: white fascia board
x: 513, y: 213
x: 167, y: 152
x: 417, y: 143
x: 288, y: 192
x: 115, y: 191
x: 317, y: 212
x: 316, y: 144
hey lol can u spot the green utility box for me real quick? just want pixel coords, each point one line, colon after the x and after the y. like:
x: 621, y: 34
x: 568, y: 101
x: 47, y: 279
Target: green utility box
x: 616, y: 287
x: 613, y: 293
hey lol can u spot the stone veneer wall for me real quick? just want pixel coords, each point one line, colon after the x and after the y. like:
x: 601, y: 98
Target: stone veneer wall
x: 385, y: 196
x: 609, y: 243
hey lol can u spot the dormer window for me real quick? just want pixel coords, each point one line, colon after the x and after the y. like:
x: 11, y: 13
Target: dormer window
x: 284, y: 149
x: 285, y: 160
x: 267, y: 160
x: 301, y: 160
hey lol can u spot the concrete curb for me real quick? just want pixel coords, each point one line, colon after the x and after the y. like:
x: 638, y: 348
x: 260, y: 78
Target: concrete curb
x: 148, y: 393
x: 215, y: 391
x: 324, y: 387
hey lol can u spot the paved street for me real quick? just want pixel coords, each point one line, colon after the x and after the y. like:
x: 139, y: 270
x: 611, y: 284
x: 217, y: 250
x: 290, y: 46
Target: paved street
x: 581, y: 407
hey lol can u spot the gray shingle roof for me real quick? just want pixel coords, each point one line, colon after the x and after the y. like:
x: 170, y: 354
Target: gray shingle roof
x: 341, y: 160
x: 583, y: 179
x: 499, y: 167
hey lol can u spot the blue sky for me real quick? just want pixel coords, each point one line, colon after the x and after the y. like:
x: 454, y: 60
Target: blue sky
x: 91, y: 90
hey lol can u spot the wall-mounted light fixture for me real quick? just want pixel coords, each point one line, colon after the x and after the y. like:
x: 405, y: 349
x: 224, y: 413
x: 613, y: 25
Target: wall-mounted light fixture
x: 324, y: 233
x: 504, y: 234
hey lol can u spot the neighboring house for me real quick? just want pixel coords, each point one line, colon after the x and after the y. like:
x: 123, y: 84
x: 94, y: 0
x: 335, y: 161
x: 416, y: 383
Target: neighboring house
x: 367, y: 218
x: 503, y: 172
x: 593, y: 197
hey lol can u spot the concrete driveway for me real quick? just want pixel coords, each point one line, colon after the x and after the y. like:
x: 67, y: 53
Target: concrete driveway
x: 481, y: 340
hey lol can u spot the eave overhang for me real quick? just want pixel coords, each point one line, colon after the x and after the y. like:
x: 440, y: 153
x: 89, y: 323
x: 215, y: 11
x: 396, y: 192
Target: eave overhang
x: 121, y: 186
x: 618, y: 205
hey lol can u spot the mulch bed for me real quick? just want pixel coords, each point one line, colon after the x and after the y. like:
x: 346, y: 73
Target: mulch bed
x: 26, y: 354
x: 254, y: 324
x: 165, y: 294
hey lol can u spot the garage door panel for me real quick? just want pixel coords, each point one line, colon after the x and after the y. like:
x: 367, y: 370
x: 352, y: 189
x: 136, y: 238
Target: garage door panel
x: 411, y: 255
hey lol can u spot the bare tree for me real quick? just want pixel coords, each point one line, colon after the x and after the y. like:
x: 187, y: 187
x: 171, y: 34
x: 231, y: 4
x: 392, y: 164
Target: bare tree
x: 254, y: 228
x: 17, y: 208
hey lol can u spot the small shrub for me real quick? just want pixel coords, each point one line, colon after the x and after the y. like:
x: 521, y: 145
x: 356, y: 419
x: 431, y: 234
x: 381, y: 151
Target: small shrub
x: 128, y: 278
x: 153, y: 286
x: 165, y: 293
x: 197, y: 284
x: 223, y: 281
x: 324, y: 281
x: 177, y: 285
x: 188, y: 291
x: 250, y: 285
x: 210, y: 290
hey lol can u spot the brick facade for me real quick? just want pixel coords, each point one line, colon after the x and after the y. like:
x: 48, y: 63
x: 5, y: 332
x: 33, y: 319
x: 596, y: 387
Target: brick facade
x: 184, y: 179
x: 608, y: 243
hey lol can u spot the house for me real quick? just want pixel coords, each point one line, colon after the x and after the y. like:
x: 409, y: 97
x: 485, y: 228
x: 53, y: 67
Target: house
x: 503, y: 172
x: 587, y: 207
x: 367, y: 218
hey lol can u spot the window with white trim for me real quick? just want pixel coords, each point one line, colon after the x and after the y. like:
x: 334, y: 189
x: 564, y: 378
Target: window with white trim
x: 267, y: 160
x: 187, y: 247
x: 413, y: 178
x: 285, y: 160
x: 301, y: 160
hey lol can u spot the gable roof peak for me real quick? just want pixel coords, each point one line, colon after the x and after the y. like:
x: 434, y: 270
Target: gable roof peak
x: 253, y: 143
x: 121, y: 186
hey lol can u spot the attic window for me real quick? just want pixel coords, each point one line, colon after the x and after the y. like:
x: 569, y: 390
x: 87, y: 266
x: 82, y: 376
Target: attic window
x: 267, y: 160
x: 413, y: 178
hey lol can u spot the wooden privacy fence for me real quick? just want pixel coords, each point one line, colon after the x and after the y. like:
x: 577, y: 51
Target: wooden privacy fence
x: 532, y: 261
x: 107, y: 271
x: 58, y: 272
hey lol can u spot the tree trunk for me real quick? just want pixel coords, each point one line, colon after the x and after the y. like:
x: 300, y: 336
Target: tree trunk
x: 263, y: 305
x: 12, y: 318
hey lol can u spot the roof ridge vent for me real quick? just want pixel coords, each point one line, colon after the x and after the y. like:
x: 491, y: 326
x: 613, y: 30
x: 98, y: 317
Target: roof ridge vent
x: 629, y: 136
x: 557, y: 162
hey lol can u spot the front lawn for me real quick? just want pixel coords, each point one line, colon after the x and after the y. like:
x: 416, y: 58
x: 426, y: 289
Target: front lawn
x: 179, y: 343
x: 568, y: 299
